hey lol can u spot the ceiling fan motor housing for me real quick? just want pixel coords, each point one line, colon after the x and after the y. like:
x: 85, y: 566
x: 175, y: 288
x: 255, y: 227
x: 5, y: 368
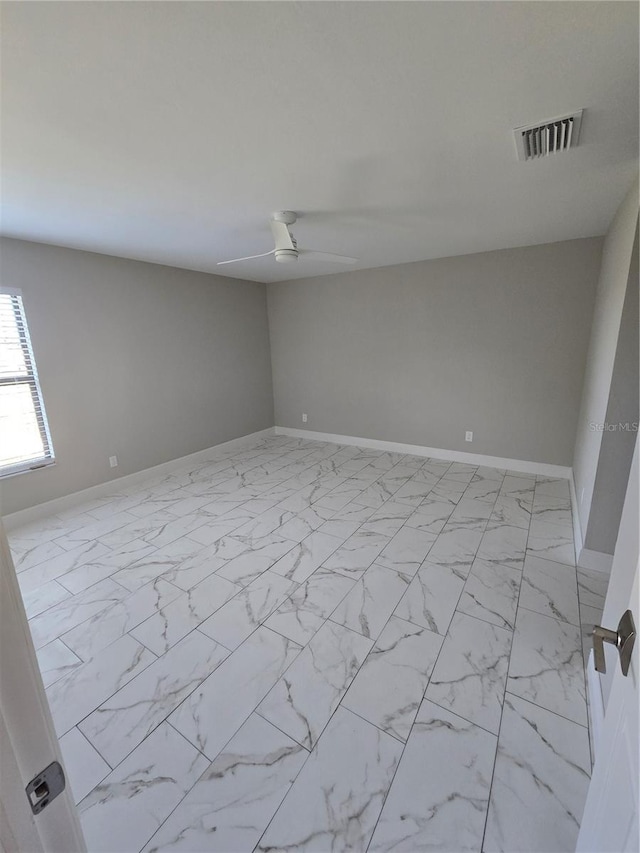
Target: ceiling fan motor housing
x: 286, y: 247
x: 285, y: 256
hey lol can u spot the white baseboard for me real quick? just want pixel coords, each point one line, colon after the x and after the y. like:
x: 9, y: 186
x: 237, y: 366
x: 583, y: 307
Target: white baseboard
x: 434, y: 452
x: 578, y: 539
x: 595, y: 704
x: 595, y: 560
x: 48, y: 508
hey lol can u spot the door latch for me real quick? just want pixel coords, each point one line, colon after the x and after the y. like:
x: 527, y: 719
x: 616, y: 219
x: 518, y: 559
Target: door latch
x: 45, y: 787
x: 623, y: 639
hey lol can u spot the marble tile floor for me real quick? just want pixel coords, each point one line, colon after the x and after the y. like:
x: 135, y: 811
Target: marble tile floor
x: 301, y: 646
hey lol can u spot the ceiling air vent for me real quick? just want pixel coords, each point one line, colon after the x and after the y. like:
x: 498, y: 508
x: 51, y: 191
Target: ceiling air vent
x: 548, y: 137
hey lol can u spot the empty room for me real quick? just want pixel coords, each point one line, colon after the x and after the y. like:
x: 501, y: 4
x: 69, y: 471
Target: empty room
x: 319, y: 402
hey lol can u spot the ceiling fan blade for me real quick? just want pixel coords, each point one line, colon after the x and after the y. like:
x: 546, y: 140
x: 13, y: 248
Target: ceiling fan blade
x: 312, y: 255
x: 248, y: 258
x: 281, y: 235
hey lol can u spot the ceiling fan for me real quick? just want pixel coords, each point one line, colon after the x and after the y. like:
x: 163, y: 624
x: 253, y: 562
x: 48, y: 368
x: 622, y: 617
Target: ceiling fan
x: 286, y: 249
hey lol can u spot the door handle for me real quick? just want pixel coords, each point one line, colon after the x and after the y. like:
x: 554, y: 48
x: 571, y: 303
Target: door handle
x: 623, y: 639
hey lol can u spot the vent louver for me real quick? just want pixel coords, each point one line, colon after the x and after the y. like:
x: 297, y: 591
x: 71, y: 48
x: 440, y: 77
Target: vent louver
x: 548, y: 137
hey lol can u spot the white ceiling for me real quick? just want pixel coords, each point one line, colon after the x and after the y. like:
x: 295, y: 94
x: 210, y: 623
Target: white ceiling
x: 168, y: 132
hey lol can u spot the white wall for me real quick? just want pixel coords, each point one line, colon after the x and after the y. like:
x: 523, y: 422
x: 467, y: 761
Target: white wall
x: 142, y: 361
x: 419, y: 353
x: 612, y: 285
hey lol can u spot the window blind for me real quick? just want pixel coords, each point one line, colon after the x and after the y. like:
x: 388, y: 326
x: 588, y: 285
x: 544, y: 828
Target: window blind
x: 25, y: 441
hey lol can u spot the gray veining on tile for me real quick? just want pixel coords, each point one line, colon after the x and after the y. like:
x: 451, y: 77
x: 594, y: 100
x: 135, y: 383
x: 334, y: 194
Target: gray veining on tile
x: 520, y: 484
x: 432, y: 596
x: 388, y: 689
x: 127, y: 717
x: 232, y: 803
x: 56, y: 566
x: 555, y: 510
x: 491, y: 593
x: 470, y: 675
x: 158, y: 529
x: 217, y: 526
x: 440, y: 794
x: 342, y: 494
x: 258, y: 556
x: 552, y: 486
x: 546, y: 665
x: 303, y: 559
x: 484, y: 488
x: 504, y: 545
x: 294, y: 622
x: 214, y: 712
x: 173, y: 621
x: 376, y: 494
x: 551, y: 541
x: 106, y: 528
x: 74, y: 611
x: 470, y: 514
x: 463, y: 472
x: 512, y: 509
x: 540, y: 781
x: 55, y: 660
x: 321, y: 592
x: 367, y: 607
x: 339, y: 529
x: 456, y: 548
x: 431, y: 516
x: 550, y: 588
x: 303, y: 700
x: 80, y: 691
x: 115, y: 621
x: 306, y: 522
x: 105, y: 565
x: 35, y: 554
x: 415, y: 490
x: 439, y: 467
x: 406, y: 551
x: 165, y: 561
x: 127, y: 807
x: 335, y: 801
x: 356, y: 554
x: 242, y: 614
x: 267, y: 522
x: 386, y: 520
x: 449, y: 491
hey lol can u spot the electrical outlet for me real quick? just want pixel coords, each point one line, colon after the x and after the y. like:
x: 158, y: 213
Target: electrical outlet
x: 113, y: 461
x: 304, y: 417
x: 468, y: 436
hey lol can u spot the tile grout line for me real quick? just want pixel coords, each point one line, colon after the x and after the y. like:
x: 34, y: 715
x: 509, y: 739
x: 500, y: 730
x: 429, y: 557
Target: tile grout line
x: 506, y: 682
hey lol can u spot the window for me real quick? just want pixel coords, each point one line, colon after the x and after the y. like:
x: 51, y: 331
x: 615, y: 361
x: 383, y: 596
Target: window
x: 25, y: 442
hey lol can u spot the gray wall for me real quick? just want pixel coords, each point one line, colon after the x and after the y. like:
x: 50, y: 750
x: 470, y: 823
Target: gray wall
x: 612, y: 286
x: 143, y: 361
x: 616, y: 449
x: 419, y: 353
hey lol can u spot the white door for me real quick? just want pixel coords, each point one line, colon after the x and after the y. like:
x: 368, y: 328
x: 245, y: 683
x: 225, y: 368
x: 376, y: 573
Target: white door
x: 610, y: 820
x: 28, y: 742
